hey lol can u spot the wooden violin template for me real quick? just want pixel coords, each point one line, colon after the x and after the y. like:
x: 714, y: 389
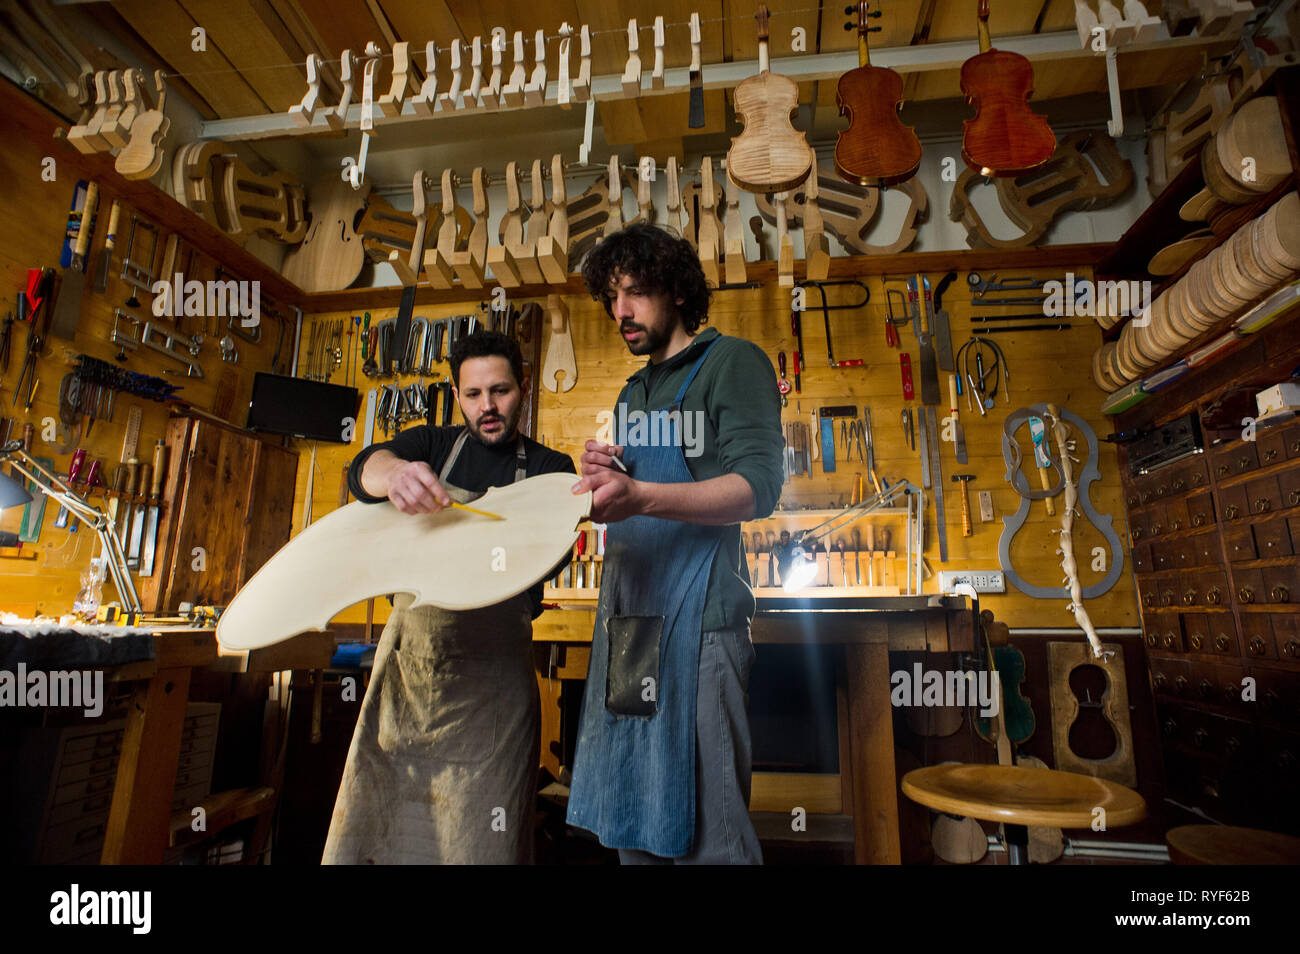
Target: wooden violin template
x: 769, y: 155
x: 1006, y: 137
x: 876, y: 149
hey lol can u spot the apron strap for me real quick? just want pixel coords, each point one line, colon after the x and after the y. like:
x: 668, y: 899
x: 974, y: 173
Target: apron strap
x: 521, y: 457
x: 681, y: 392
x: 455, y: 452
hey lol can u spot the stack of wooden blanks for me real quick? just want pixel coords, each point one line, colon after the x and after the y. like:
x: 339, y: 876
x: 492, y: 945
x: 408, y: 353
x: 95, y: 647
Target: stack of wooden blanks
x: 1247, y: 267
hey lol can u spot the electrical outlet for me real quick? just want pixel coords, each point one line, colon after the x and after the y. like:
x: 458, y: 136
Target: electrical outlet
x: 983, y: 581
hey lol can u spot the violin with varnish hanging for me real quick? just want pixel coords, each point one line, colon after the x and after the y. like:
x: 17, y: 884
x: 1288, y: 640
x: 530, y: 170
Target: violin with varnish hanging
x: 769, y: 155
x: 876, y: 149
x: 1006, y: 137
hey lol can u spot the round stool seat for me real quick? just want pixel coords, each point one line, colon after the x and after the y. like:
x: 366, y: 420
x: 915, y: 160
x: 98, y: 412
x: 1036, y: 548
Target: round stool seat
x: 1022, y: 796
x: 1226, y: 845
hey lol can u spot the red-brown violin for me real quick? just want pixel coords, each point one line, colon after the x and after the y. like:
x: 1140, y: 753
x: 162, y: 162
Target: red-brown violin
x: 1006, y: 137
x: 876, y: 149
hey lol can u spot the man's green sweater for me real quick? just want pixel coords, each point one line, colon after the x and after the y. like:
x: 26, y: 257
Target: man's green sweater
x: 735, y: 397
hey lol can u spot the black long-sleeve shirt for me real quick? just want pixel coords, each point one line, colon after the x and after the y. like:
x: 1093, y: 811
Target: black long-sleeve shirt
x: 478, y: 468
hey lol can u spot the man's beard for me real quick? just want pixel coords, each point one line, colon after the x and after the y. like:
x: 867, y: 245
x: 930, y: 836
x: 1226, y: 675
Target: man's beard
x: 651, y: 340
x: 507, y: 433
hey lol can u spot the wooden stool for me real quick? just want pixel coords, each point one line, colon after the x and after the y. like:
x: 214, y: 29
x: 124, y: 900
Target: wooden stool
x: 1226, y: 845
x: 1020, y: 797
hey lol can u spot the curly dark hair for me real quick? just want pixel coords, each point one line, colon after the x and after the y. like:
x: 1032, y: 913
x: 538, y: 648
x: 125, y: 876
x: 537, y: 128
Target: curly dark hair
x: 484, y: 344
x: 657, y: 261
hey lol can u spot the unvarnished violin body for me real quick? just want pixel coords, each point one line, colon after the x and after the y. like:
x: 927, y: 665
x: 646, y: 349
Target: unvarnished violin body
x: 1006, y: 137
x: 769, y: 155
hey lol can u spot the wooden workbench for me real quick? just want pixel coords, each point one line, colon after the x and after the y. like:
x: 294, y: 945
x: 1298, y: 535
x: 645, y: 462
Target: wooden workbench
x: 140, y: 814
x: 866, y: 628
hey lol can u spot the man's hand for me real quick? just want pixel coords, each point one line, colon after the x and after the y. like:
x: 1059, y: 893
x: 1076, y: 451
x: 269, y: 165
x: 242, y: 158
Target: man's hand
x: 413, y: 488
x: 615, y: 496
x: 600, y: 456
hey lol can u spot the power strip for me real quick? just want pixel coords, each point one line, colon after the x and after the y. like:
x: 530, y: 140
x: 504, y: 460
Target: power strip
x: 983, y: 581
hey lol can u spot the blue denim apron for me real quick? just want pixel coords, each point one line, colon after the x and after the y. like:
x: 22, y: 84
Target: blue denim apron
x: 634, y: 770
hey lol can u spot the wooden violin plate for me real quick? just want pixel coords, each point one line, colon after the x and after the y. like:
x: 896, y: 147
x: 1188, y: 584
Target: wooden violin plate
x: 1201, y: 207
x: 1172, y: 257
x: 331, y: 254
x: 1252, y: 145
x: 453, y: 559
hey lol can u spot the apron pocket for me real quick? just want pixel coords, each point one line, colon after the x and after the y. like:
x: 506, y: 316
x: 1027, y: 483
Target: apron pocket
x: 441, y: 709
x: 632, y: 680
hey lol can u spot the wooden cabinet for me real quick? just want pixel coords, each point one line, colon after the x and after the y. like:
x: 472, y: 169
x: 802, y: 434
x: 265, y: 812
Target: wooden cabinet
x: 227, y: 508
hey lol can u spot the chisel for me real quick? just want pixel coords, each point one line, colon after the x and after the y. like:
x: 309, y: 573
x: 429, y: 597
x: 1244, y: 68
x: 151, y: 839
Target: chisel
x: 152, y: 514
x: 857, y: 556
x: 106, y: 256
x: 137, y: 517
x: 128, y: 493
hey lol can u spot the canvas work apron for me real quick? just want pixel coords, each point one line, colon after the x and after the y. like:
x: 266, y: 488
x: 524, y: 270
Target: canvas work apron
x: 634, y: 766
x: 443, y: 763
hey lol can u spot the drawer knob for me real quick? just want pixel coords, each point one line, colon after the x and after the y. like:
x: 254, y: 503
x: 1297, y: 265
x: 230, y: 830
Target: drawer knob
x: 1222, y: 470
x: 1156, y: 529
x: 1175, y: 525
x: 1270, y: 700
x: 1170, y: 728
x: 1295, y: 447
x: 1197, y: 641
x: 1222, y: 642
x: 1179, y: 484
x: 1243, y: 463
x: 1167, y: 598
x: 1263, y: 505
x: 1214, y: 596
x: 1152, y: 641
x: 1198, y: 479
x: 1168, y: 641
x: 1291, y: 649
x: 1137, y: 533
x: 1200, y: 737
x: 1149, y: 600
x: 1293, y: 497
x: 1270, y: 454
x: 1133, y: 500
x: 1160, y: 681
x: 1245, y: 594
x: 1232, y: 745
x: 1207, y: 688
x: 1232, y: 511
x: 1231, y: 693
x: 1189, y: 597
x: 1256, y: 646
x: 1280, y: 594
x: 1198, y: 520
x: 1180, y: 685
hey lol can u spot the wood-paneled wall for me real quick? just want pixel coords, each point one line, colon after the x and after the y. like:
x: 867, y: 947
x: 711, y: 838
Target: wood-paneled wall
x: 1045, y: 366
x: 33, y: 214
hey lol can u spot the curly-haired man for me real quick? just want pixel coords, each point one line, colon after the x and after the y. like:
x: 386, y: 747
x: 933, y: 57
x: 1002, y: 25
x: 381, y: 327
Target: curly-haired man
x: 662, y: 766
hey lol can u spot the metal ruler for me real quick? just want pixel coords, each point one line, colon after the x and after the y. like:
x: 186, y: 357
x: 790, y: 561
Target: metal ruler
x: 372, y: 402
x: 925, y: 448
x: 936, y: 475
